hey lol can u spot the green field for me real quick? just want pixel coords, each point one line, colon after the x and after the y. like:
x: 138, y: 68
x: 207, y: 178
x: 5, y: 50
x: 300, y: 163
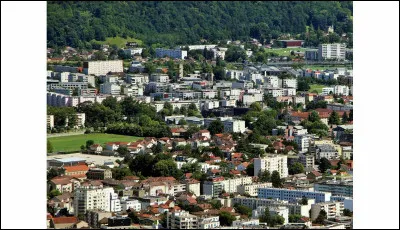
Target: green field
x: 119, y: 41
x: 316, y: 87
x: 73, y: 143
x: 283, y: 51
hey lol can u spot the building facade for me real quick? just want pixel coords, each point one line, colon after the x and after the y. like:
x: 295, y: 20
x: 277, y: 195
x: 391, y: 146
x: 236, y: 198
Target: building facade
x: 271, y: 163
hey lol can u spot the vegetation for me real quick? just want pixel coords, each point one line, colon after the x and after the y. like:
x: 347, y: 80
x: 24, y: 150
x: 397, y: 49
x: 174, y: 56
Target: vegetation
x: 49, y: 147
x: 321, y: 217
x: 296, y: 168
x: 226, y: 219
x: 82, y: 24
x: 73, y: 143
x: 324, y: 164
x: 294, y: 218
x: 272, y: 221
x: 243, y: 210
x: 276, y: 180
x: 216, y: 127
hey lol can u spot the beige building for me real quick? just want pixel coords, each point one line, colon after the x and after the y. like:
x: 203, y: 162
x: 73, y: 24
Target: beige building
x: 271, y: 162
x: 103, y: 67
x: 332, y: 209
x: 252, y: 189
x: 99, y: 174
x: 50, y: 121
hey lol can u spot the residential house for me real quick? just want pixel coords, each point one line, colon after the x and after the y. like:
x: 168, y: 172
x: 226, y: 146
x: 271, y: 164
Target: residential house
x: 63, y: 222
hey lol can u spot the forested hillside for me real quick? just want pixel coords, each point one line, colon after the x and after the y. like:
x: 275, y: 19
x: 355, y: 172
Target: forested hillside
x: 171, y: 23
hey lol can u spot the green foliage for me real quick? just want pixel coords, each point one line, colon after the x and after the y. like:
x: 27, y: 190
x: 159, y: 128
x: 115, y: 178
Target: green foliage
x: 54, y: 193
x: 265, y: 176
x: 134, y: 217
x: 296, y: 168
x: 345, y: 118
x: 324, y: 164
x: 77, y: 24
x: 244, y: 210
x: 272, y: 221
x: 294, y: 218
x: 313, y: 116
x: 321, y: 217
x: 276, y: 180
x: 50, y: 148
x: 256, y: 107
x: 120, y: 173
x: 347, y: 212
x: 334, y: 118
x: 54, y: 172
x: 304, y: 200
x: 264, y: 124
x: 89, y: 143
x: 215, y: 204
x: 250, y: 169
x: 216, y: 127
x: 226, y: 219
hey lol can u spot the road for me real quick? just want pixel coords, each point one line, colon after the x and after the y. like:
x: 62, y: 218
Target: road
x: 65, y: 134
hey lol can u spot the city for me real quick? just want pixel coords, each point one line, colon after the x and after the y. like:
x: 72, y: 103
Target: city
x: 246, y: 133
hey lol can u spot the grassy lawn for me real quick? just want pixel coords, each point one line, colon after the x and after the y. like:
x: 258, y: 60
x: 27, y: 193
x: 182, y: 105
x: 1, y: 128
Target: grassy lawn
x: 316, y: 87
x: 73, y: 143
x: 119, y: 41
x: 283, y: 51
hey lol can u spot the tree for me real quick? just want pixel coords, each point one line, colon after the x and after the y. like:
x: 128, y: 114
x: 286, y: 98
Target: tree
x: 321, y: 217
x: 295, y: 218
x: 296, y: 168
x: 347, y: 212
x: 244, y: 210
x: 345, y: 118
x: 324, y: 164
x: 89, y: 143
x: 123, y: 151
x: 134, y: 217
x: 304, y: 200
x: 50, y: 148
x: 54, y: 173
x: 216, y: 127
x: 54, y: 193
x: 120, y: 173
x: 82, y: 147
x: 334, y: 118
x: 264, y: 124
x: 313, y: 116
x: 226, y: 219
x: 265, y: 176
x: 256, y: 106
x: 250, y: 170
x: 351, y: 115
x: 276, y: 179
x: 216, y: 204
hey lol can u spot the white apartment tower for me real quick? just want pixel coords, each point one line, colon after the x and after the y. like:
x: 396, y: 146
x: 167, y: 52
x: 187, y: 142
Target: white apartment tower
x: 271, y: 163
x: 335, y: 51
x: 103, y: 67
x: 90, y: 197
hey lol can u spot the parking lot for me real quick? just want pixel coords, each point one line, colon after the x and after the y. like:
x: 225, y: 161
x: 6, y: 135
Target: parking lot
x: 97, y: 159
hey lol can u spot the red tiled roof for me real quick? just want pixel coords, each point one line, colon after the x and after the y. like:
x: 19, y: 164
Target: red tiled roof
x: 65, y: 220
x: 76, y: 168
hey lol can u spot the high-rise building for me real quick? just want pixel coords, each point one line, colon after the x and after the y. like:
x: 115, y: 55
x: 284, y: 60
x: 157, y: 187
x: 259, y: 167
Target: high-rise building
x: 335, y: 51
x: 182, y: 220
x: 271, y: 163
x: 88, y: 197
x: 103, y: 67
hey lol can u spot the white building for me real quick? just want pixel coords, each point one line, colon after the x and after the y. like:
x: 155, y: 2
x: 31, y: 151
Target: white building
x: 289, y: 83
x: 230, y: 125
x: 110, y: 88
x: 240, y: 223
x: 179, y: 54
x: 137, y: 79
x: 193, y: 186
x: 115, y: 203
x: 217, y: 185
x: 271, y: 163
x: 231, y: 185
x: 209, y: 222
x: 182, y: 220
x: 333, y: 209
x: 130, y: 203
x: 103, y: 67
x: 327, y: 90
x: 293, y: 195
x: 281, y: 211
x: 242, y: 85
x: 92, y: 197
x: 272, y: 81
x: 249, y: 99
x: 335, y: 51
x: 252, y: 189
x: 303, y: 141
x: 133, y: 91
x: 341, y: 90
x: 50, y: 121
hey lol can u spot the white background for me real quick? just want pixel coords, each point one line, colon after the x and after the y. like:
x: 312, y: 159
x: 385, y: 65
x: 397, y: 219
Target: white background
x: 23, y: 115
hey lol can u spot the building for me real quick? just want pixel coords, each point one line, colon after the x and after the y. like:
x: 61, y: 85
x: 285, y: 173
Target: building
x: 78, y: 171
x: 88, y: 197
x: 334, y: 51
x: 99, y: 174
x: 208, y: 222
x: 80, y: 119
x: 182, y: 220
x: 176, y: 54
x: 130, y: 204
x: 93, y: 217
x: 115, y: 221
x: 336, y: 188
x: 327, y: 91
x: 291, y: 43
x: 281, y: 211
x: 341, y: 90
x: 311, y: 55
x: 215, y: 186
x: 103, y: 67
x: 292, y: 195
x: 303, y: 141
x: 193, y: 186
x: 289, y: 83
x: 63, y: 222
x: 50, y: 121
x: 110, y: 88
x: 271, y: 163
x: 333, y: 209
x: 163, y: 78
x: 307, y: 161
x: 230, y: 125
x: 252, y: 189
x: 327, y: 151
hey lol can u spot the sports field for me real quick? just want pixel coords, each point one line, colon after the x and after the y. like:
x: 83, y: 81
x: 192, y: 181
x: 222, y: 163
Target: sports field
x: 316, y: 87
x: 73, y: 143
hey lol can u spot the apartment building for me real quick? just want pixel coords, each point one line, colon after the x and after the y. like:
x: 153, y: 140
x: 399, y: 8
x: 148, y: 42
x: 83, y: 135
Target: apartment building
x: 311, y: 54
x: 99, y: 174
x: 133, y: 91
x: 335, y: 51
x: 327, y: 91
x: 289, y: 83
x: 327, y: 151
x: 130, y: 204
x: 110, y: 88
x: 307, y: 161
x: 177, y: 53
x: 336, y: 188
x: 252, y: 189
x: 341, y: 90
x: 87, y: 197
x: 292, y: 195
x: 242, y: 85
x: 182, y: 220
x: 273, y: 211
x: 156, y: 77
x: 271, y: 163
x: 208, y: 222
x: 216, y: 185
x: 271, y: 81
x: 333, y: 209
x: 294, y: 208
x: 50, y: 121
x: 303, y: 141
x: 137, y: 79
x: 103, y: 67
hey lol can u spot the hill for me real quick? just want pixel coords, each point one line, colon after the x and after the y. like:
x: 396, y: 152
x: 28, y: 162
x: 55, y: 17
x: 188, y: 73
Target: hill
x: 170, y: 23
